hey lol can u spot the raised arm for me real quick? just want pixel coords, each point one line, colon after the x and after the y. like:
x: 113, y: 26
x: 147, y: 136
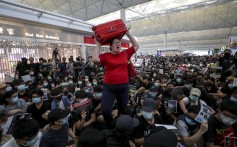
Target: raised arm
x: 96, y: 52
x: 133, y: 40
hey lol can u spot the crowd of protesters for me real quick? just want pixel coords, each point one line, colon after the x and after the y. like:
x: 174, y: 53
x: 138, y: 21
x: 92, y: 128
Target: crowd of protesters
x: 64, y: 100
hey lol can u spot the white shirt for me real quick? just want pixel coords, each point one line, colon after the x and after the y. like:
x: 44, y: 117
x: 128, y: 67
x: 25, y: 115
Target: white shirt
x: 12, y: 142
x: 61, y: 105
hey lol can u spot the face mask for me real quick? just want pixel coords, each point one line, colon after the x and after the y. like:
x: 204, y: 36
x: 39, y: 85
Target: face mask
x: 9, y: 88
x: 86, y: 80
x: 187, y: 86
x: 147, y: 115
x: 94, y: 83
x: 153, y: 94
x: 157, y: 84
x: 36, y: 100
x: 49, y: 78
x: 70, y: 83
x: 14, y: 100
x: 101, y: 68
x: 30, y: 143
x: 21, y: 87
x: 65, y: 120
x: 79, y: 82
x: 231, y: 86
x: 209, y: 84
x: 154, y: 75
x: 190, y: 121
x: 193, y: 98
x: 178, y: 80
x: 45, y: 84
x: 63, y: 84
x: 98, y: 95
x: 86, y: 90
x: 58, y: 99
x: 226, y: 120
x: 227, y: 55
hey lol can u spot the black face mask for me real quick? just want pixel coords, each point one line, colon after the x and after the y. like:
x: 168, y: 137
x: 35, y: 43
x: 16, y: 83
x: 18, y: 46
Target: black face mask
x: 209, y: 84
x: 227, y: 55
x: 66, y: 92
x: 59, y: 98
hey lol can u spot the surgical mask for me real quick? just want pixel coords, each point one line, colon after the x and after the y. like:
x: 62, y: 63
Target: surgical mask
x: 30, y: 143
x: 101, y: 68
x: 226, y: 120
x: 193, y: 98
x: 154, y: 75
x: 79, y: 82
x: 190, y: 121
x: 65, y: 120
x: 70, y: 83
x: 45, y: 84
x: 178, y: 80
x: 63, y: 84
x: 9, y: 88
x: 157, y: 84
x: 36, y: 100
x: 89, y: 85
x: 86, y: 80
x: 98, y: 95
x: 49, y: 78
x: 21, y: 87
x: 147, y: 115
x: 188, y: 86
x: 153, y: 94
x: 231, y: 86
x: 14, y: 100
x: 94, y: 83
x: 86, y: 90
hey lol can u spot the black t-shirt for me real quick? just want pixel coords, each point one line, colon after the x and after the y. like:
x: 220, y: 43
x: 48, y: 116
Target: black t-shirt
x: 217, y: 131
x: 22, y: 68
x: 213, y: 89
x: 55, y: 138
x: 37, y: 113
x: 144, y: 127
x: 26, y: 96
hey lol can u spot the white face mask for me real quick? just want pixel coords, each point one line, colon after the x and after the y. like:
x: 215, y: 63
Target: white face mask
x: 226, y: 120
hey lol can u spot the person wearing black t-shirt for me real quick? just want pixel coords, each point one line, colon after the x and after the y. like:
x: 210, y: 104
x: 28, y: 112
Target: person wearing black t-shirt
x: 38, y: 107
x: 223, y: 124
x: 147, y: 121
x: 22, y: 68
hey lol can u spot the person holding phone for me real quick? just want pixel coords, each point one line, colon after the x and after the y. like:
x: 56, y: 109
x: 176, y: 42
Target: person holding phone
x: 116, y: 80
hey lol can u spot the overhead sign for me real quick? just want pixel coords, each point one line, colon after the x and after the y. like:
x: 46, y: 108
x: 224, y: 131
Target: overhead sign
x: 39, y: 33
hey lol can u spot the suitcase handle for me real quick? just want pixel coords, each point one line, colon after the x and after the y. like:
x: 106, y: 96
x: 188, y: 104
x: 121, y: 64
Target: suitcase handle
x: 112, y: 29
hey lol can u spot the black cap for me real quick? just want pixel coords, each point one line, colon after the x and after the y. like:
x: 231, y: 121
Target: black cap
x: 57, y: 114
x: 56, y: 91
x: 149, y: 105
x: 126, y: 123
x: 157, y: 139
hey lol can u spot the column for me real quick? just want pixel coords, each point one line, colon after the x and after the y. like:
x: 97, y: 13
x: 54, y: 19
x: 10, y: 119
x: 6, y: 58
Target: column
x: 83, y: 52
x: 123, y: 15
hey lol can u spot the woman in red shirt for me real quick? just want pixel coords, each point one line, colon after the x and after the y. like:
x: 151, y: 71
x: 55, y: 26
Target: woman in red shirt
x: 116, y: 80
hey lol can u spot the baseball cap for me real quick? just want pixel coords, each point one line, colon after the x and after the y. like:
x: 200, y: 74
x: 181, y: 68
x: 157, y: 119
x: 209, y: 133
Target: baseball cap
x: 195, y: 91
x: 126, y: 123
x: 57, y: 114
x: 56, y: 91
x: 156, y: 139
x: 149, y: 105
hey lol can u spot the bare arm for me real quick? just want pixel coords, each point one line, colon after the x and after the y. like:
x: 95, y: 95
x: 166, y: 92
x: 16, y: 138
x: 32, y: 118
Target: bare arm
x: 182, y: 106
x: 133, y: 40
x: 96, y: 52
x: 91, y: 121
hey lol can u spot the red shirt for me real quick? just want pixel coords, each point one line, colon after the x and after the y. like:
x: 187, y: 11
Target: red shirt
x: 116, y: 66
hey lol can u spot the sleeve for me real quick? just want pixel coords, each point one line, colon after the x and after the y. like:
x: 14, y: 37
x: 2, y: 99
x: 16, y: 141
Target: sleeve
x: 182, y: 128
x: 102, y: 58
x: 130, y: 52
x: 185, y: 100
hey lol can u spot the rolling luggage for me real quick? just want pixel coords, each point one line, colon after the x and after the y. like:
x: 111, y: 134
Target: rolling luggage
x: 110, y: 30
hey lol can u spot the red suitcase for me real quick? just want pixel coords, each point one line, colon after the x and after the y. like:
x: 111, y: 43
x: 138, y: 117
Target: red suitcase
x: 107, y: 31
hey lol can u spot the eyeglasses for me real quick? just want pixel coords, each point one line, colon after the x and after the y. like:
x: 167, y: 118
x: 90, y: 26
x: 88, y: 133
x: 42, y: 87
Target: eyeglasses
x: 117, y: 42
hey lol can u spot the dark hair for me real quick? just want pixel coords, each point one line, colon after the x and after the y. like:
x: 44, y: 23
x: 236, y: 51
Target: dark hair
x: 80, y: 94
x: 9, y: 94
x: 97, y: 89
x: 229, y: 105
x: 25, y: 128
x: 96, y: 139
x: 38, y: 92
x: 17, y: 82
x: 3, y: 116
x: 111, y: 42
x: 194, y: 109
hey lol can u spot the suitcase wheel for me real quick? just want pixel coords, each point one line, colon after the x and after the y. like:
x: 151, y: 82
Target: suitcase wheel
x: 94, y: 28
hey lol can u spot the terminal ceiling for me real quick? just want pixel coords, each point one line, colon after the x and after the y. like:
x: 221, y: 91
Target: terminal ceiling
x: 189, y: 24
